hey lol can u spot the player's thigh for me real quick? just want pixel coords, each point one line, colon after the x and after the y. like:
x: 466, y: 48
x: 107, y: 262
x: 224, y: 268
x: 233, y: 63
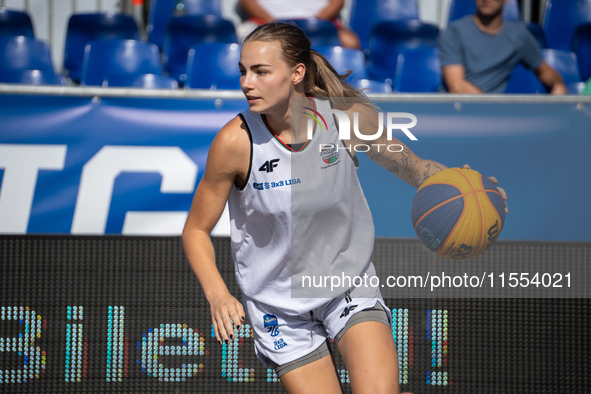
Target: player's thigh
x: 316, y: 377
x: 370, y: 356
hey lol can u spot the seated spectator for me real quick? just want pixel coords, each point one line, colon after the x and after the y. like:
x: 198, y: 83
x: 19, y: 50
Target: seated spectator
x: 260, y: 12
x: 479, y: 51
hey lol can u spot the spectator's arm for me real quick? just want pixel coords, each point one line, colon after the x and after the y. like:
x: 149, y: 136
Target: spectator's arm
x: 453, y: 75
x: 254, y: 10
x: 533, y: 59
x: 332, y: 10
x: 453, y: 63
x: 551, y: 79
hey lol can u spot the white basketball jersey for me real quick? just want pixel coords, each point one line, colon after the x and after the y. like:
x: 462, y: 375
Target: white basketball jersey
x: 301, y: 217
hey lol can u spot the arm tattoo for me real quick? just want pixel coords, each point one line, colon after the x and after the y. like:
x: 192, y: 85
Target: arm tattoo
x: 426, y: 172
x: 403, y: 166
x: 404, y: 158
x: 373, y: 124
x: 393, y: 168
x: 376, y: 157
x: 430, y: 169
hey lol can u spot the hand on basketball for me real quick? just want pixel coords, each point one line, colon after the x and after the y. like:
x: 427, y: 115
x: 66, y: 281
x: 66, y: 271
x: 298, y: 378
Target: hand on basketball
x: 495, y: 182
x: 226, y: 311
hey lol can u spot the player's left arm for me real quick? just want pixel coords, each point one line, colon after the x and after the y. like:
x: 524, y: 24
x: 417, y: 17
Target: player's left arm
x: 393, y: 155
x: 399, y: 160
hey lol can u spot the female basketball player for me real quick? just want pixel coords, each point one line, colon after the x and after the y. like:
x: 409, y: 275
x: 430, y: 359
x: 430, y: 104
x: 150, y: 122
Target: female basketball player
x: 296, y: 208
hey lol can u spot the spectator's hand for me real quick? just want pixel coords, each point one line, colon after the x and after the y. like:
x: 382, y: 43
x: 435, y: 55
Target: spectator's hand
x: 551, y: 79
x: 495, y: 182
x: 559, y: 89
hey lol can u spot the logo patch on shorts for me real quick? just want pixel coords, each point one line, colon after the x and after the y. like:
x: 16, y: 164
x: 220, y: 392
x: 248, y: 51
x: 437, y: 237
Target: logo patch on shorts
x: 279, y: 344
x: 271, y: 324
x: 347, y: 310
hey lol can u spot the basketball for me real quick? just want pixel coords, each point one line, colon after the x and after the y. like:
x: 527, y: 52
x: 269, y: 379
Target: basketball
x: 458, y: 213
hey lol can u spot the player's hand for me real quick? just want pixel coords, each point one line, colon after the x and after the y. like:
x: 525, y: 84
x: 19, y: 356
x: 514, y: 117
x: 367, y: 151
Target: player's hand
x: 226, y: 311
x: 495, y: 182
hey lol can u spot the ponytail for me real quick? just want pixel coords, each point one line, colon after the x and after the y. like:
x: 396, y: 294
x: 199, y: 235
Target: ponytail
x: 322, y: 80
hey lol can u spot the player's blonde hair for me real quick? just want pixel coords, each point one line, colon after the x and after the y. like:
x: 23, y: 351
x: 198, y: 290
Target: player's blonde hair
x: 321, y: 79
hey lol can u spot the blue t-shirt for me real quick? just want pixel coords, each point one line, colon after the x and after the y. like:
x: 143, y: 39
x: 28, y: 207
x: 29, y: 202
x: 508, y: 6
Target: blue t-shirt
x: 488, y: 59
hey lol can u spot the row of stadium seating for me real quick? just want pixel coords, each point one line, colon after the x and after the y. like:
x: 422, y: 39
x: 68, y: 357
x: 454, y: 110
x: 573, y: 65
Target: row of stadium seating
x: 133, y: 63
x: 394, y: 46
x: 559, y: 21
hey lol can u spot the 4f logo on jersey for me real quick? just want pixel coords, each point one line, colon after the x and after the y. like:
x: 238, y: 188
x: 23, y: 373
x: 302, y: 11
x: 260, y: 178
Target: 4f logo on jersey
x: 347, y: 310
x: 269, y: 165
x: 271, y: 324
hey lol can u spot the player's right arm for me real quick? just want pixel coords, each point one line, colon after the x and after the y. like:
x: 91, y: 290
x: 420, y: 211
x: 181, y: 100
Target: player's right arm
x: 227, y: 163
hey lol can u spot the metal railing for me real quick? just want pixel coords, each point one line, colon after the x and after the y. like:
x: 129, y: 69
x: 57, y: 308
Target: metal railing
x: 78, y: 91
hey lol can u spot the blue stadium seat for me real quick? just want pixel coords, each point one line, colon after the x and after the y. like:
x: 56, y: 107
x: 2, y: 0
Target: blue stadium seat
x: 418, y: 70
x: 24, y: 53
x: 561, y: 17
x: 371, y: 86
x: 146, y: 81
x: 538, y: 33
x: 576, y: 88
x: 15, y: 23
x: 565, y: 62
x: 458, y: 9
x: 83, y: 28
x: 185, y: 32
x: 32, y: 77
x: 387, y: 40
x: 107, y: 59
x: 511, y: 11
x: 523, y: 81
x: 213, y: 66
x: 202, y: 7
x: 344, y: 60
x: 581, y: 46
x: 364, y: 13
x: 161, y: 11
x: 319, y: 31
x: 461, y: 8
